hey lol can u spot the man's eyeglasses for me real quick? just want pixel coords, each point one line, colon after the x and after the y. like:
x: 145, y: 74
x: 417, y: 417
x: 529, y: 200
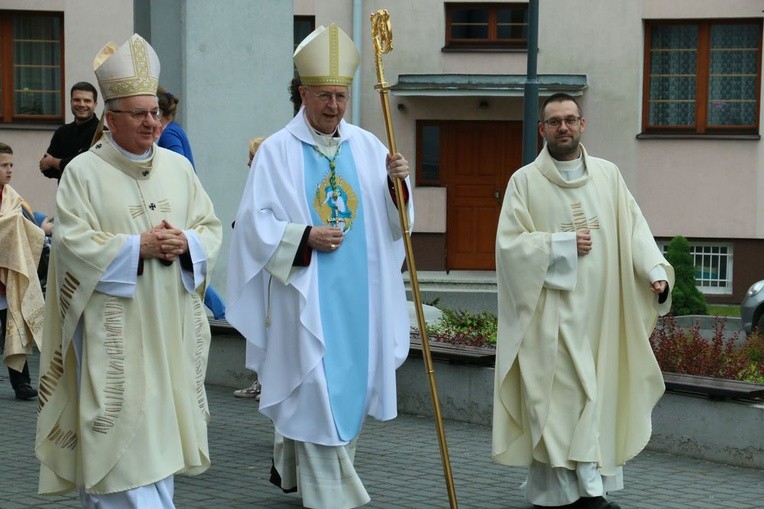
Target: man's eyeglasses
x: 325, y: 97
x: 139, y: 115
x: 557, y: 122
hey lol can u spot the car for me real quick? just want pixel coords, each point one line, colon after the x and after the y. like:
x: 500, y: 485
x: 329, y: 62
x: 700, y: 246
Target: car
x: 752, y: 308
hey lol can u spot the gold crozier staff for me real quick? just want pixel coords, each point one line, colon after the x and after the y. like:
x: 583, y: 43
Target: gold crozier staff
x: 382, y: 35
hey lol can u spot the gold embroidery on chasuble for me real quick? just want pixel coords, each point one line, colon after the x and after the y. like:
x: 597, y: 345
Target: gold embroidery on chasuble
x: 100, y: 238
x: 201, y: 328
x: 49, y: 380
x: 336, y: 205
x: 114, y: 345
x: 580, y: 222
x: 136, y: 211
x: 68, y: 289
x: 164, y: 206
x: 63, y: 439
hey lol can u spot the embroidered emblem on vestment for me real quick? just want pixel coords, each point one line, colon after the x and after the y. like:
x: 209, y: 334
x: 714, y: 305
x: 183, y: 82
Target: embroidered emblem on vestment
x: 580, y: 222
x: 336, y: 205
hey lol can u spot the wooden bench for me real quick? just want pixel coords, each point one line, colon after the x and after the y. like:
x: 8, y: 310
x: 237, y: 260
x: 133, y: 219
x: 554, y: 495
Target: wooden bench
x: 714, y: 388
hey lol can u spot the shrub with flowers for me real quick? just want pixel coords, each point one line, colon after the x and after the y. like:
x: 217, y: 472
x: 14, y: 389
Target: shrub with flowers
x: 678, y: 349
x: 681, y: 350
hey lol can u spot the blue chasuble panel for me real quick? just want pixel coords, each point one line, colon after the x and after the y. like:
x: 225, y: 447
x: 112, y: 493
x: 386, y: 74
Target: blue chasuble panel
x: 335, y: 199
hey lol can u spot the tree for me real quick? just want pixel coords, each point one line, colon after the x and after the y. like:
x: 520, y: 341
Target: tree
x: 687, y: 299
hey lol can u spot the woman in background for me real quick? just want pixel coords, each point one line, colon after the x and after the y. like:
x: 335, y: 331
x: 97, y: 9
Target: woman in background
x: 174, y: 138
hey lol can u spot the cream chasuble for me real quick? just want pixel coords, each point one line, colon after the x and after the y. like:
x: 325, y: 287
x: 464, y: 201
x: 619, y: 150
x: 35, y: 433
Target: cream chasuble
x: 140, y: 413
x: 21, y: 247
x: 576, y: 379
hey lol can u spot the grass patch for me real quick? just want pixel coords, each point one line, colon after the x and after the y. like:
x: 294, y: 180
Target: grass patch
x: 723, y: 310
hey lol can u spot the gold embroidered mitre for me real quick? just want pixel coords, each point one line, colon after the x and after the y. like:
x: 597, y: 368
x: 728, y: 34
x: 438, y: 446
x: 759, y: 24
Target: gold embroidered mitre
x: 128, y: 70
x: 327, y: 56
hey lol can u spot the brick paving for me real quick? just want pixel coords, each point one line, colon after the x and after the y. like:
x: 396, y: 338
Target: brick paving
x: 398, y: 461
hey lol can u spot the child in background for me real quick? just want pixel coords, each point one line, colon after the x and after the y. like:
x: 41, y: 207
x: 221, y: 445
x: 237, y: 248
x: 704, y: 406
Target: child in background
x: 21, y: 300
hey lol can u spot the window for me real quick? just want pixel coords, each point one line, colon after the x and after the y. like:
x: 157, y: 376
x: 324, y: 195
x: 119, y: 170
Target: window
x: 428, y: 153
x: 31, y: 66
x: 713, y: 266
x: 303, y: 26
x: 702, y: 77
x: 486, y: 26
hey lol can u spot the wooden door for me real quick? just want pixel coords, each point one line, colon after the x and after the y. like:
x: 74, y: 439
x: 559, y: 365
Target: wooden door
x: 477, y: 159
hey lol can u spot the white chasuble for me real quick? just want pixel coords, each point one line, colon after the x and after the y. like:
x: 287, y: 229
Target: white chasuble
x: 576, y: 379
x: 289, y: 314
x: 140, y: 412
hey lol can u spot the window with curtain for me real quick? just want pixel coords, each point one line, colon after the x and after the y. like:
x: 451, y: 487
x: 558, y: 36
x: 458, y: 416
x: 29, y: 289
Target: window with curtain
x: 702, y: 77
x: 486, y: 26
x: 31, y: 66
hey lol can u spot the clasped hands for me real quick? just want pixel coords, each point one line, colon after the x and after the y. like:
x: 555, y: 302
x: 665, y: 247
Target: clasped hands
x: 164, y: 242
x: 584, y: 246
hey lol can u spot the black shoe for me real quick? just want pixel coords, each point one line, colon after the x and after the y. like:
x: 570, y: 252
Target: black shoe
x: 595, y: 503
x: 25, y: 392
x: 568, y: 506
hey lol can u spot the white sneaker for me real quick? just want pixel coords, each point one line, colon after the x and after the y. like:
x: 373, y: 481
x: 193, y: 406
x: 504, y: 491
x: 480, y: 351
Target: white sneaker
x: 253, y: 391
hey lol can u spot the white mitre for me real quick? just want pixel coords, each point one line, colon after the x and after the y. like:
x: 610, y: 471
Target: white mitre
x: 327, y: 56
x: 132, y: 69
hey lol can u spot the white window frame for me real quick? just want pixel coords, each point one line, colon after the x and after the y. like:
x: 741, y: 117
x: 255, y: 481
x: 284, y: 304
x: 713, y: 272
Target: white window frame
x: 716, y: 253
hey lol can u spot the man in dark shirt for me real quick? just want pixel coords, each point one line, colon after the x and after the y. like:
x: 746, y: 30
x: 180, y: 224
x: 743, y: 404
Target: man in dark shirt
x: 71, y: 139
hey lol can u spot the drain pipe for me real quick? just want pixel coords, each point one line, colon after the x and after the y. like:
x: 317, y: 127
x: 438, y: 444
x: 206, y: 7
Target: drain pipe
x: 355, y: 93
x: 531, y: 95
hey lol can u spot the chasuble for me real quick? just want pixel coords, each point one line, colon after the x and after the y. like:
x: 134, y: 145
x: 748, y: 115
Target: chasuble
x: 325, y: 339
x: 591, y: 333
x: 135, y: 411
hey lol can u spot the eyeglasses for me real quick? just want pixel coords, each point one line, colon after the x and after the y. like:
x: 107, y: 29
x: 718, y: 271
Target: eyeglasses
x: 139, y: 115
x: 557, y: 122
x: 325, y: 97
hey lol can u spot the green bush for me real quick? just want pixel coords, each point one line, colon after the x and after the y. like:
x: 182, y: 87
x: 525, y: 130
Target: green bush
x: 464, y: 328
x: 687, y: 299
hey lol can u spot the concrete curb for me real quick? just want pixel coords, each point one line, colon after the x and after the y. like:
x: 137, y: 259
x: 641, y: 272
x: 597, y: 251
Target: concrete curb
x: 722, y: 431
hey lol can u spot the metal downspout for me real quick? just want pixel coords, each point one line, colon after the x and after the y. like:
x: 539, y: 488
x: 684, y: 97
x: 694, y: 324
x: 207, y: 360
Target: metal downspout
x: 531, y: 99
x: 355, y: 93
